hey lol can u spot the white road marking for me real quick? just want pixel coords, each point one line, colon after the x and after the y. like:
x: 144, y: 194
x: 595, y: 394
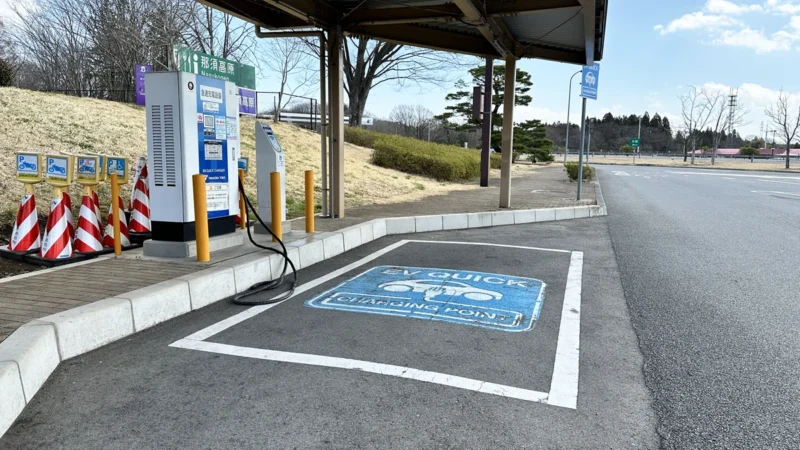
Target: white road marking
x: 621, y: 173
x: 793, y: 194
x: 489, y: 244
x: 223, y: 325
x: 737, y: 175
x: 366, y: 366
x: 564, y: 384
x: 729, y: 178
x: 782, y: 182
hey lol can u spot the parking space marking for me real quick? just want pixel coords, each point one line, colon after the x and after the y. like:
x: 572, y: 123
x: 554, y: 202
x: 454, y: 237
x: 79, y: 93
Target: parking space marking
x: 563, y: 384
x: 365, y: 366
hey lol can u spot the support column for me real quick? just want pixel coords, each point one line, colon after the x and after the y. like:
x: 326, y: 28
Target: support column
x: 487, y: 122
x: 508, y: 132
x: 323, y: 126
x: 336, y: 68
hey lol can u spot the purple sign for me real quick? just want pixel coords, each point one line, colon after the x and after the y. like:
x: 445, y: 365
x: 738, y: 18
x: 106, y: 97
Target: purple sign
x: 247, y: 101
x: 140, y: 71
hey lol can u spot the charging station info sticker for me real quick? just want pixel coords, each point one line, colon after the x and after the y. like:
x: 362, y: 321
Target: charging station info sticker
x: 487, y: 300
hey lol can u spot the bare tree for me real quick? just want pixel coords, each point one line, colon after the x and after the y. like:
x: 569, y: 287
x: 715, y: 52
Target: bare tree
x: 286, y: 57
x: 696, y: 110
x: 90, y: 47
x: 369, y: 63
x: 211, y: 31
x: 780, y: 115
x: 722, y: 117
x: 415, y: 120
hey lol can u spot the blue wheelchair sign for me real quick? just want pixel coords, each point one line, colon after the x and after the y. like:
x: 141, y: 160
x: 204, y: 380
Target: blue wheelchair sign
x: 487, y: 300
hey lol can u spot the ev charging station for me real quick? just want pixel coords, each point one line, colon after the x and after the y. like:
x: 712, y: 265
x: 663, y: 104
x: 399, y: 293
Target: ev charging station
x: 192, y: 128
x: 269, y: 158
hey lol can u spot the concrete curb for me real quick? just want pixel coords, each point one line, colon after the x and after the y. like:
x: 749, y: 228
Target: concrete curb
x: 32, y: 352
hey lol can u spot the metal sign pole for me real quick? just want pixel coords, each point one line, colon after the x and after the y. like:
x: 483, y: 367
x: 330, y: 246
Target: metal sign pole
x: 580, y: 152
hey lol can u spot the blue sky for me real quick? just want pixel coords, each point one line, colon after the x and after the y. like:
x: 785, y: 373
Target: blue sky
x: 653, y: 51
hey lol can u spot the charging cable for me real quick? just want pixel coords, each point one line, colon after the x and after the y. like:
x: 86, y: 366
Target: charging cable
x: 266, y: 285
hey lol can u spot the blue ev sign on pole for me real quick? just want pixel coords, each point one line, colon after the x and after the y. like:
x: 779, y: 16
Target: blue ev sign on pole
x: 487, y: 300
x: 590, y: 81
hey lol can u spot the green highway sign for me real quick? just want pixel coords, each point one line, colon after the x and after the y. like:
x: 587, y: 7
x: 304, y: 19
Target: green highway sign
x: 634, y: 142
x: 215, y: 67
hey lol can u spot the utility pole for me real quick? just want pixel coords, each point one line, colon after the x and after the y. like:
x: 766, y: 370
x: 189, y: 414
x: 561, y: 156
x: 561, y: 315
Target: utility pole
x: 569, y: 102
x: 732, y: 100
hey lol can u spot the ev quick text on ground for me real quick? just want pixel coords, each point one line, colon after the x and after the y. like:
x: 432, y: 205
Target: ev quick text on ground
x: 487, y: 300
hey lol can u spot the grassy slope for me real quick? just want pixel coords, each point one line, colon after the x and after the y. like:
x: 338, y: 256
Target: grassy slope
x: 53, y: 122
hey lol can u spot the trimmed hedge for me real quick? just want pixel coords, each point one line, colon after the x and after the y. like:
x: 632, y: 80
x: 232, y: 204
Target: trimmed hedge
x: 572, y: 171
x: 409, y: 155
x: 361, y: 137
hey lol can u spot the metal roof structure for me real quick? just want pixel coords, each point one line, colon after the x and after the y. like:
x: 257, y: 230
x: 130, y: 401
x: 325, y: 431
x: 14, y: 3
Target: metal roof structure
x: 570, y: 31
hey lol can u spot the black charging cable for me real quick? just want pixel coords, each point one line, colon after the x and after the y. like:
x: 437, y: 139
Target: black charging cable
x: 276, y: 282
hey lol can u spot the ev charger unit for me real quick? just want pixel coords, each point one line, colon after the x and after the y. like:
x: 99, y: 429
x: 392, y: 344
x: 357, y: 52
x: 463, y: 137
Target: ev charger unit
x: 269, y: 158
x: 192, y: 128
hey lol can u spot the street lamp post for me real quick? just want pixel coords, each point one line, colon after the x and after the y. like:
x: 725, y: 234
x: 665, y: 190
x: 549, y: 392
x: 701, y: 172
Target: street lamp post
x: 569, y: 101
x: 639, y: 136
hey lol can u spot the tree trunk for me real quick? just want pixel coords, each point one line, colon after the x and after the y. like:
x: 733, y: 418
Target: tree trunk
x: 787, y: 153
x: 713, y: 155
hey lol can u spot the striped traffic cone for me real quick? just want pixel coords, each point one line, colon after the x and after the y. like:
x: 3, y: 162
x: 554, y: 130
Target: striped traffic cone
x: 25, y: 236
x: 88, y: 238
x: 140, y: 204
x: 97, y: 213
x: 68, y: 213
x: 57, y: 243
x: 108, y: 237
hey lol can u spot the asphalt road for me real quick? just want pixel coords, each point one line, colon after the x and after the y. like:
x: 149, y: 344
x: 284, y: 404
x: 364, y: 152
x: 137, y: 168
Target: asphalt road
x: 283, y: 378
x: 709, y: 264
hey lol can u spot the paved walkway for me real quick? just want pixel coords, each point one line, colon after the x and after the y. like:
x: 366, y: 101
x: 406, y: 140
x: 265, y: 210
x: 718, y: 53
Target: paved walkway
x: 42, y: 294
x: 543, y: 187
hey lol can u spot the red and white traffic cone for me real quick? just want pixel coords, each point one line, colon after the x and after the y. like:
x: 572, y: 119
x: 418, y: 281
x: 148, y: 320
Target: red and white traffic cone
x: 88, y: 238
x: 97, y: 213
x: 108, y: 237
x: 68, y: 210
x: 57, y: 243
x: 140, y: 204
x: 25, y: 236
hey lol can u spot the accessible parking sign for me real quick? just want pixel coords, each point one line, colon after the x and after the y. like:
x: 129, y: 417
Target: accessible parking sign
x: 487, y: 300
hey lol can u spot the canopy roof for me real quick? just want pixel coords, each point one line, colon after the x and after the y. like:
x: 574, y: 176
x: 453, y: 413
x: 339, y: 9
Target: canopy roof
x: 570, y: 31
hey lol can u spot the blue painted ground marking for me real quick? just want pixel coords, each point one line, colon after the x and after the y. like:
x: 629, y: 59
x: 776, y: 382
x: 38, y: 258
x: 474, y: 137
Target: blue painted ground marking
x: 487, y: 300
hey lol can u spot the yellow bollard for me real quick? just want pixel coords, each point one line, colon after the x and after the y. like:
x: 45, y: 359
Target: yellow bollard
x: 242, y: 208
x: 309, y: 201
x: 275, y: 204
x: 115, y: 208
x: 201, y: 217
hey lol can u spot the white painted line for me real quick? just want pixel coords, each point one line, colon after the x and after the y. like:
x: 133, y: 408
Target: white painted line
x: 53, y: 269
x: 366, y: 366
x: 211, y: 330
x: 793, y: 194
x: 564, y: 384
x: 489, y: 244
x: 736, y: 175
x: 782, y: 182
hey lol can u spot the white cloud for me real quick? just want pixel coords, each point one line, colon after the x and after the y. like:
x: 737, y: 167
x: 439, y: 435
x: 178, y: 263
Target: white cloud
x: 697, y: 20
x: 730, y: 8
x: 756, y: 40
x: 783, y: 7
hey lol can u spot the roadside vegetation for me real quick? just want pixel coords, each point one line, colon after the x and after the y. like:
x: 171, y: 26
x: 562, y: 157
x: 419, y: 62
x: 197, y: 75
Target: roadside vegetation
x: 572, y: 171
x: 413, y: 156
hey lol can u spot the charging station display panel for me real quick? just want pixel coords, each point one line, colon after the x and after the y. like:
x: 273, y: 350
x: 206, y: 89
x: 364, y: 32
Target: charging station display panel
x: 212, y: 139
